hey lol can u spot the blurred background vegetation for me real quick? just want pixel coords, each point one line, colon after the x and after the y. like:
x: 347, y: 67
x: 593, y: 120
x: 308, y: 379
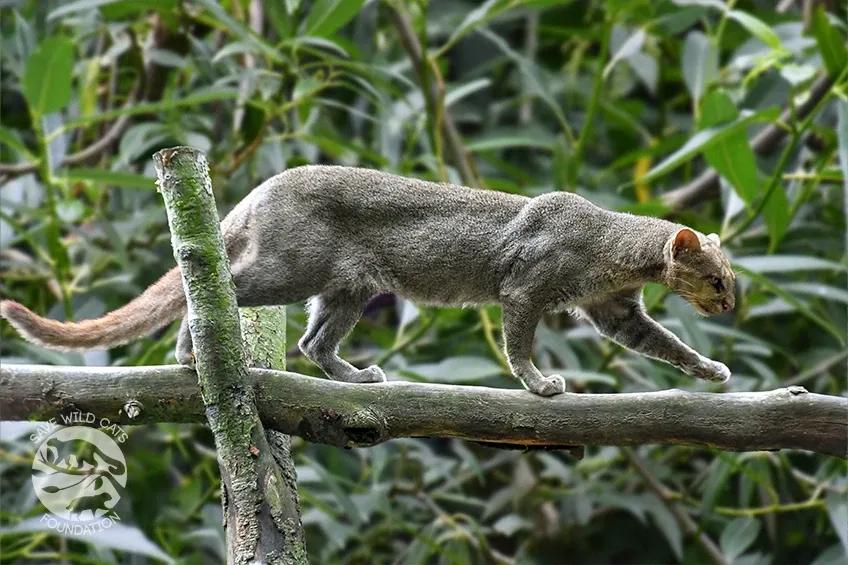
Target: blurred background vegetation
x: 621, y: 101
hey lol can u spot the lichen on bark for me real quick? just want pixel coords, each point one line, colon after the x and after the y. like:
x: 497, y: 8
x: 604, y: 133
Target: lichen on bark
x: 264, y: 336
x: 245, y: 458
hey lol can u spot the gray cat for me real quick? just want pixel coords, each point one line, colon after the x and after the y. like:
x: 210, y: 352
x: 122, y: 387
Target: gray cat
x: 339, y: 235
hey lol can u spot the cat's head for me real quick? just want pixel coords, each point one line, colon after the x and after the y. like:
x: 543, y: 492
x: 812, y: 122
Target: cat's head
x: 699, y: 271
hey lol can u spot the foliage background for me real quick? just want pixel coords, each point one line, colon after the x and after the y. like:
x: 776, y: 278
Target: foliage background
x: 620, y: 101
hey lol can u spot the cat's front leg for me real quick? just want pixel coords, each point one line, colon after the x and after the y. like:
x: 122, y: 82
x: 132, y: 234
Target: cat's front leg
x: 624, y: 320
x: 520, y: 320
x: 709, y: 370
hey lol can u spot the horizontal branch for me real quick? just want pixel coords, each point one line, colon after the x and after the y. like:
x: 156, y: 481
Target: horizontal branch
x: 366, y: 414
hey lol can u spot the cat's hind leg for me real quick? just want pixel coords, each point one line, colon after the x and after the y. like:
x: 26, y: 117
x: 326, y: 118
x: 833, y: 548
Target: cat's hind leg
x: 331, y: 317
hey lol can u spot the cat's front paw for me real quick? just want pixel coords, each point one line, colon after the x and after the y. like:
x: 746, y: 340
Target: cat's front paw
x: 710, y: 370
x: 546, y: 386
x: 372, y: 374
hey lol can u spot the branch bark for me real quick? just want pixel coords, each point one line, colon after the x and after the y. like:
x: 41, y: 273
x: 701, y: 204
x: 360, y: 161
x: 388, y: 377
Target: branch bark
x: 254, y: 507
x: 359, y: 415
x: 263, y: 332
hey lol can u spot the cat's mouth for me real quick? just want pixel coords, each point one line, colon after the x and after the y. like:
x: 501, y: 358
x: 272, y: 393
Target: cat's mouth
x: 712, y: 308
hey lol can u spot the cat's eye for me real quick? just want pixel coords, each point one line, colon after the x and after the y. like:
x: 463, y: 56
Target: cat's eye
x: 717, y: 283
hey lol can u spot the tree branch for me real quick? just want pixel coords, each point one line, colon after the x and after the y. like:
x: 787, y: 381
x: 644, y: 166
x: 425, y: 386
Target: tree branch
x: 256, y: 510
x: 352, y: 415
x: 433, y: 89
x: 115, y: 131
x: 706, y: 184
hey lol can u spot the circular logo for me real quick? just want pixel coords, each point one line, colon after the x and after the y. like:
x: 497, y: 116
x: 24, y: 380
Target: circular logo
x: 78, y: 473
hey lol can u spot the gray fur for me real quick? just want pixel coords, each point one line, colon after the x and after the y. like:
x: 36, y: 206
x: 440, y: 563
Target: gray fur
x: 338, y: 235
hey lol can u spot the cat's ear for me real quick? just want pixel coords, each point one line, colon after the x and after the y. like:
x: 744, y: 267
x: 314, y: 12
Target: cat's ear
x: 685, y: 241
x: 714, y: 238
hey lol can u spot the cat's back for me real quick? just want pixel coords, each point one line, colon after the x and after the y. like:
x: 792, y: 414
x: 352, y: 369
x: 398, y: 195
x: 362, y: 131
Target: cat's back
x: 351, y: 189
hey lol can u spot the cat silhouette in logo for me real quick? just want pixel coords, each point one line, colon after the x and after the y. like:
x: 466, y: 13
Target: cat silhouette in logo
x: 93, y: 503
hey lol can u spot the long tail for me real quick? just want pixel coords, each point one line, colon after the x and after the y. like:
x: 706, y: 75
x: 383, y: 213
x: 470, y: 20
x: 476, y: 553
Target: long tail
x: 162, y: 302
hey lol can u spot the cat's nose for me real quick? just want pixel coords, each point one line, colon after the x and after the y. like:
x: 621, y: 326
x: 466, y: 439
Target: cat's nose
x: 726, y: 306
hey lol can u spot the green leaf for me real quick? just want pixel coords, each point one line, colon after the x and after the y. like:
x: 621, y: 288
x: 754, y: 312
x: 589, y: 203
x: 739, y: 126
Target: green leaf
x: 802, y: 307
x: 833, y: 555
x: 473, y: 20
x: 234, y: 48
x: 306, y: 87
x: 490, y: 142
x: 331, y: 481
x: 457, y: 93
x: 837, y: 509
x: 509, y: 524
x: 706, y: 139
x: 733, y: 158
x: 78, y: 6
x: 818, y: 290
x: 777, y: 216
x: 692, y: 334
x: 125, y: 9
x: 667, y: 524
x: 797, y: 75
x: 738, y: 536
x: 129, y: 539
x: 532, y: 79
x: 47, y: 77
x: 233, y: 26
x: 70, y: 211
x: 10, y: 137
x: 628, y: 48
x: 316, y: 43
x: 327, y: 16
x: 700, y: 63
x: 199, y: 97
x: 457, y: 369
x: 719, y: 473
x: 116, y: 178
x: 842, y: 136
x: 831, y: 43
x: 757, y: 28
x: 786, y: 263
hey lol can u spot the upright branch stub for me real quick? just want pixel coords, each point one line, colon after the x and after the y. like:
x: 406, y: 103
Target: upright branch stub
x: 183, y: 179
x: 251, y: 479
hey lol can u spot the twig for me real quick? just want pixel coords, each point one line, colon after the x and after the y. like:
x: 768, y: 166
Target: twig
x: 589, y: 118
x: 489, y: 335
x: 706, y: 184
x: 433, y: 88
x: 94, y: 150
x: 687, y: 524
